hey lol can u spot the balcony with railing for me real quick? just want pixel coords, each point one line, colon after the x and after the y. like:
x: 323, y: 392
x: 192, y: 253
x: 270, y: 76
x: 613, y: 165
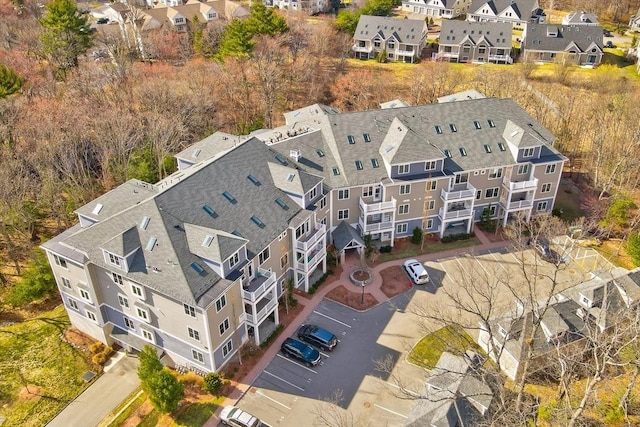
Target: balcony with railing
x: 500, y: 58
x: 377, y: 207
x: 254, y: 289
x: 311, y: 238
x: 457, y: 213
x: 516, y: 205
x: 528, y: 185
x: 375, y: 226
x: 308, y: 262
x: 464, y: 191
x: 357, y: 48
x: 263, y: 309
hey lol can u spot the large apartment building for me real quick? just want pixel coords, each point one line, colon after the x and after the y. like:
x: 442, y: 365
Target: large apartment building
x: 195, y: 263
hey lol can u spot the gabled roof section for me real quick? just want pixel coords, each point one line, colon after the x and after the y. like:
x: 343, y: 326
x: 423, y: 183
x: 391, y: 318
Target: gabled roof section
x: 214, y: 245
x: 124, y: 243
x: 396, y: 103
x: 558, y: 38
x: 455, y: 32
x: 345, y: 235
x: 214, y: 145
x: 521, y: 7
x: 410, y: 31
x: 286, y: 178
x: 580, y: 18
x: 120, y: 198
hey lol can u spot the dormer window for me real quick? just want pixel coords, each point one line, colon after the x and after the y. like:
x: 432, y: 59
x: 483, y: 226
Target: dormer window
x: 351, y: 139
x: 491, y: 123
x: 233, y: 260
x: 586, y: 301
x: 528, y: 152
x: 476, y: 124
x: 179, y: 20
x: 438, y: 129
x: 453, y: 128
x: 114, y: 259
x: 403, y: 169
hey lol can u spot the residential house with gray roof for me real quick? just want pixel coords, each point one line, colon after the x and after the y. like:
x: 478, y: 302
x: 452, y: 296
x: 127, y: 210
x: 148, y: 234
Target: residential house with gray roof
x: 445, y: 9
x: 519, y: 13
x: 400, y: 39
x: 474, y: 42
x: 573, y: 314
x: 311, y: 7
x: 176, y: 16
x: 454, y: 394
x: 576, y: 44
x: 634, y: 22
x: 195, y: 263
x: 580, y: 18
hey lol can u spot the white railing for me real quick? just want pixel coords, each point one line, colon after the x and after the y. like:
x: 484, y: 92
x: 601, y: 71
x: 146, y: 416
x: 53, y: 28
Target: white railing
x: 406, y: 52
x: 262, y: 314
x: 468, y: 193
x: 522, y: 185
x: 440, y: 55
x: 255, y: 294
x: 306, y: 264
x: 309, y: 243
x: 366, y: 49
x: 375, y: 226
x: 520, y: 204
x: 497, y: 58
x: 460, y: 213
x: 372, y: 208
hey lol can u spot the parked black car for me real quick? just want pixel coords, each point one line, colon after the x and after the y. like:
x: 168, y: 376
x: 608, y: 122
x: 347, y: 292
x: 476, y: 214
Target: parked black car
x: 102, y: 21
x: 541, y: 245
x: 318, y: 337
x: 609, y: 45
x: 291, y: 347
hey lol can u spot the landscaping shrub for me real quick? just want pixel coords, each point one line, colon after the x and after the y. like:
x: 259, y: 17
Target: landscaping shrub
x: 96, y: 347
x: 99, y: 358
x: 313, y: 288
x: 416, y: 238
x: 385, y: 249
x: 272, y: 337
x: 213, y: 383
x: 455, y: 237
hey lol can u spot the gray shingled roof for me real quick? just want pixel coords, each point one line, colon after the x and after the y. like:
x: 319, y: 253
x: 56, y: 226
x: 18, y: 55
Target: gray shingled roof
x: 580, y: 18
x: 345, y: 234
x: 167, y: 265
x: 523, y: 8
x: 403, y: 30
x: 120, y: 198
x: 208, y: 147
x: 496, y: 34
x: 421, y: 142
x: 212, y: 244
x: 585, y: 37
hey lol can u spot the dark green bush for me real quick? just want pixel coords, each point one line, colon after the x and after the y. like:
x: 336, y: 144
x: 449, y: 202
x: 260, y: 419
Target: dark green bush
x: 272, y: 337
x: 416, y: 238
x: 385, y: 249
x: 455, y: 237
x: 315, y: 286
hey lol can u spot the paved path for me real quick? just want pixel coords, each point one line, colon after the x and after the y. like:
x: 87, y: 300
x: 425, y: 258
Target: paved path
x: 101, y: 397
x: 374, y: 288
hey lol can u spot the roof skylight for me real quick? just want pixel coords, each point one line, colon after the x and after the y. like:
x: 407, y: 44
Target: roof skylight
x: 281, y: 159
x: 359, y: 165
x: 487, y: 148
x: 491, y: 123
x: 257, y: 221
x: 447, y: 153
x: 254, y: 180
x: 144, y: 223
x: 320, y: 152
x: 208, y: 209
x: 197, y: 267
x: 367, y: 137
x: 463, y: 151
x: 374, y: 163
x: 501, y: 146
x: 335, y: 170
x: 351, y: 139
x: 97, y: 209
x: 229, y: 197
x: 282, y: 204
x: 207, y: 241
x: 151, y: 244
x: 291, y: 177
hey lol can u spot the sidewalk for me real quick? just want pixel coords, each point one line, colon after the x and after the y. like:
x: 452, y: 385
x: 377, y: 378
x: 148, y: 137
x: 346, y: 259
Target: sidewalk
x: 374, y: 288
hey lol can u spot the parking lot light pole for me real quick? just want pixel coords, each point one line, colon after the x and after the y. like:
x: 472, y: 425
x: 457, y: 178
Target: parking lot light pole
x: 362, y: 300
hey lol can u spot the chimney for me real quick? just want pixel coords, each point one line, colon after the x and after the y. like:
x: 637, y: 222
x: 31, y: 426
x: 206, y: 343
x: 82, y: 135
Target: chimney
x: 295, y: 154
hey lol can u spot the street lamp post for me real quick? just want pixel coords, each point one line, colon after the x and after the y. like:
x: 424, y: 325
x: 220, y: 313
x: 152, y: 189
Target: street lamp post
x: 362, y: 300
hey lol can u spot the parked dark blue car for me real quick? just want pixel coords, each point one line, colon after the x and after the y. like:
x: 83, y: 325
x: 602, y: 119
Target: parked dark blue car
x: 291, y: 347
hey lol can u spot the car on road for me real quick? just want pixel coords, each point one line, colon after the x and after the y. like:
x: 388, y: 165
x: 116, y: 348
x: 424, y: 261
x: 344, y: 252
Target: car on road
x: 102, y: 21
x: 292, y: 347
x: 318, y: 337
x: 416, y: 272
x: 609, y: 45
x: 236, y: 417
x: 541, y: 245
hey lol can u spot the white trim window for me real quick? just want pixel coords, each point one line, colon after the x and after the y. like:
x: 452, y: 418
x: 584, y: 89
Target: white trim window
x: 129, y: 323
x: 405, y: 189
x: 478, y: 194
x: 367, y: 191
x: 227, y: 348
x: 323, y: 203
x: 523, y: 169
x: 148, y: 335
x: 313, y: 193
x: 491, y: 192
x: 65, y: 282
x: 550, y: 169
x: 117, y: 278
x: 84, y: 294
x: 138, y: 291
x: 432, y: 185
x: 234, y: 259
x: 124, y: 302
x: 114, y: 259
x: 402, y: 228
x: 221, y: 303
x: 542, y: 206
x: 429, y: 224
x: 263, y: 256
x: 284, y: 260
x: 431, y: 205
x: 91, y: 316
x: 546, y: 187
x: 343, y: 214
x: 189, y: 310
x: 492, y: 210
x: 193, y: 333
x: 143, y: 314
x: 224, y: 326
x: 343, y: 194
x: 429, y: 166
x: 495, y: 173
x: 197, y: 356
x: 60, y: 262
x: 528, y: 152
x: 73, y: 304
x: 403, y: 169
x: 403, y: 209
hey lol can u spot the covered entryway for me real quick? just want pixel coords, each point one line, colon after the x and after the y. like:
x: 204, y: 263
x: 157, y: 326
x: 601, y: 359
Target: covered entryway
x: 346, y: 238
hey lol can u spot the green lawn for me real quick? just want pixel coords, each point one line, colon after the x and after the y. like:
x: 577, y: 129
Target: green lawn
x: 197, y: 414
x: 410, y: 250
x: 32, y: 353
x: 450, y: 338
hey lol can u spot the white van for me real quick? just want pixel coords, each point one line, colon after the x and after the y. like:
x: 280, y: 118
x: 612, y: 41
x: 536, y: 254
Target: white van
x: 416, y: 272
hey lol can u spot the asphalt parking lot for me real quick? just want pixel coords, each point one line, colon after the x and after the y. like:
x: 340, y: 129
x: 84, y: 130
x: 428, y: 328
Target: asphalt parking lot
x: 288, y: 393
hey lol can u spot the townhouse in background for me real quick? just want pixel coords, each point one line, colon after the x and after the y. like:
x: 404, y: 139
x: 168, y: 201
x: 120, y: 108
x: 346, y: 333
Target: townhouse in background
x: 580, y: 44
x: 445, y: 9
x: 580, y: 18
x: 476, y: 42
x: 398, y: 39
x: 519, y: 13
x: 195, y: 263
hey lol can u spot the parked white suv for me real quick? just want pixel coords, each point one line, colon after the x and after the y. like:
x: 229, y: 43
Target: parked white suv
x: 416, y: 272
x: 236, y: 417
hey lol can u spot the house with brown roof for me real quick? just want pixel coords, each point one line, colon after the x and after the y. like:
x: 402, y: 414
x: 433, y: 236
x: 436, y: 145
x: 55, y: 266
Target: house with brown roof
x: 178, y: 17
x: 516, y: 12
x: 445, y: 9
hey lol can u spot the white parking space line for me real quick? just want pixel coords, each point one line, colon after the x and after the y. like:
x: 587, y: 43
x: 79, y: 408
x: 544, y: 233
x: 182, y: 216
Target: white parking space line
x: 324, y: 354
x: 501, y: 264
x: 296, y: 363
x: 272, y: 399
x: 283, y: 380
x: 406, y: 390
x: 331, y: 318
x: 390, y: 411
